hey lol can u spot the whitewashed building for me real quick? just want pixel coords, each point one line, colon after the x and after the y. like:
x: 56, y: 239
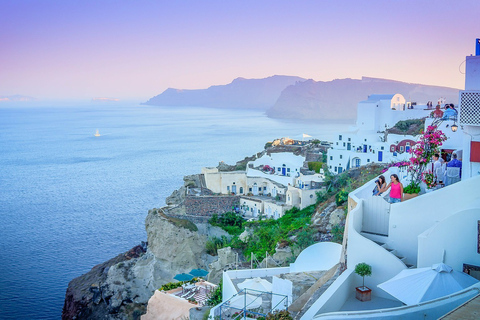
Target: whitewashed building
x: 366, y: 142
x: 442, y: 226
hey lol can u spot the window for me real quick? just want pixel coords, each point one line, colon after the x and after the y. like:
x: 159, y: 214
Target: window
x: 228, y: 188
x: 335, y: 169
x: 330, y: 167
x: 381, y: 148
x: 344, y: 144
x: 341, y: 156
x: 340, y: 137
x: 337, y: 143
x: 407, y: 144
x: 311, y: 196
x: 288, y: 169
x: 241, y: 189
x: 365, y: 140
x: 392, y: 148
x: 264, y: 188
x: 401, y: 148
x: 368, y: 160
x: 349, y: 139
x: 279, y: 169
x: 250, y: 189
x: 331, y: 157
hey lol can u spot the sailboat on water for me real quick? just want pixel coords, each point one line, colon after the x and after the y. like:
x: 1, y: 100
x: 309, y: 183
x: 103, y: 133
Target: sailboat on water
x: 97, y: 134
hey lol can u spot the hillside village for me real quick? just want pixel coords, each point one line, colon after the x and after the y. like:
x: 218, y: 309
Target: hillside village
x: 295, y: 227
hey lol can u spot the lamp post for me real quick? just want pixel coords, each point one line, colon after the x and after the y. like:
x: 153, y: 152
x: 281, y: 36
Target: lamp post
x: 454, y: 127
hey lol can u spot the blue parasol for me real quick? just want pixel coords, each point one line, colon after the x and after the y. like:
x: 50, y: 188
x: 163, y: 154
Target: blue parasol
x: 183, y: 277
x: 198, y: 272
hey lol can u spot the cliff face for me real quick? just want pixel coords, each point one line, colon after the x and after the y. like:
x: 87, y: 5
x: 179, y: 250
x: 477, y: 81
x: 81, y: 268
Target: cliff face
x: 240, y: 93
x: 120, y: 288
x: 338, y: 99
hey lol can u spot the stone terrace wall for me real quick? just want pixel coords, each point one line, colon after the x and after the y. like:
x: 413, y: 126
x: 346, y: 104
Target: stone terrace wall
x: 206, y: 206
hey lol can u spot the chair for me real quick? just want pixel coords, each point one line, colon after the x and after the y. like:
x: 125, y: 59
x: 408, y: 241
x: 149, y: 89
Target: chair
x: 439, y: 173
x: 452, y: 176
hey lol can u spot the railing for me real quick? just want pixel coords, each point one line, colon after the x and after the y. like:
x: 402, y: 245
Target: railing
x: 425, y: 310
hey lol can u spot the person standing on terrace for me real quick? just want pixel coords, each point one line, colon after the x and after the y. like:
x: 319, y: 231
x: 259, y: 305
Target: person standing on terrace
x: 437, y: 113
x: 396, y: 194
x: 455, y: 163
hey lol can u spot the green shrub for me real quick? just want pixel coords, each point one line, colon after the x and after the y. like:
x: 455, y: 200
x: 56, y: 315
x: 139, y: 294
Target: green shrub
x: 279, y: 315
x: 337, y: 233
x: 268, y: 145
x: 213, y: 244
x: 341, y: 197
x: 315, y: 166
x: 176, y: 284
x: 216, y: 296
x: 231, y: 222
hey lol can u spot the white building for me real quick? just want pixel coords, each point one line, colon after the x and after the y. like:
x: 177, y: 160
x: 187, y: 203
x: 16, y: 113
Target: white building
x: 267, y: 193
x: 366, y: 142
x: 442, y: 226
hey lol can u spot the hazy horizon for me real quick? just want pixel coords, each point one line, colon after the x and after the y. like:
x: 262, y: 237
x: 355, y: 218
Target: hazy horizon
x: 136, y: 50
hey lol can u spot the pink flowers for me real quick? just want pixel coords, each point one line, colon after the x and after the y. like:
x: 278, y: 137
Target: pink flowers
x: 423, y: 151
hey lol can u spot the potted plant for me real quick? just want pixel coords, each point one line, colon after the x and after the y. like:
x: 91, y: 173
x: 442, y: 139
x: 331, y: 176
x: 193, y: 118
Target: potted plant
x: 363, y: 293
x: 411, y: 190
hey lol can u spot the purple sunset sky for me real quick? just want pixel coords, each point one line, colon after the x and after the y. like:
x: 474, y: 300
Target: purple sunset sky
x: 137, y: 49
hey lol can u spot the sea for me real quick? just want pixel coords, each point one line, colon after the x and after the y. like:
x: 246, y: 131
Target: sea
x: 70, y: 200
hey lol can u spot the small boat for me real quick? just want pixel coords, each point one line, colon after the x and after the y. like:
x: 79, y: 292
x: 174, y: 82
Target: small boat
x: 97, y: 134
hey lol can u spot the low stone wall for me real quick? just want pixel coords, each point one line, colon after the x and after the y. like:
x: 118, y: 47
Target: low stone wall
x: 206, y: 206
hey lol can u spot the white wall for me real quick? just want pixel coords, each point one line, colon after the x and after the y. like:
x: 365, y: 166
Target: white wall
x: 284, y: 180
x: 318, y: 256
x: 457, y: 235
x: 334, y: 297
x: 411, y: 218
x: 472, y: 75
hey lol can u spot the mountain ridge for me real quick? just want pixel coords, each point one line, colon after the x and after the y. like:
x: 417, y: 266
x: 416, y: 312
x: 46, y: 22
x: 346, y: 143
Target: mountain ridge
x: 291, y: 97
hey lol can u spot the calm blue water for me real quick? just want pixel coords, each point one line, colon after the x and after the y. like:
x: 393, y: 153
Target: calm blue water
x: 69, y: 200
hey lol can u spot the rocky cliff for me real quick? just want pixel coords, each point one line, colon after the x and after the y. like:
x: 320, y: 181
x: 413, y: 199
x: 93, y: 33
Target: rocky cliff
x: 240, y: 93
x: 338, y: 99
x: 121, y: 287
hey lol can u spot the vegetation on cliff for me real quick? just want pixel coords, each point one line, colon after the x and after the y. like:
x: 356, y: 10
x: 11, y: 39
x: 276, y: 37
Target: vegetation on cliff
x: 295, y: 227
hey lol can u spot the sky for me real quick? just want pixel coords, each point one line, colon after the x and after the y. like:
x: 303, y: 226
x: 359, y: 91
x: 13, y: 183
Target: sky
x: 136, y: 49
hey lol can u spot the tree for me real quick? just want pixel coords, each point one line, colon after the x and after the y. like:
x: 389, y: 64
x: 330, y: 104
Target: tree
x: 363, y: 270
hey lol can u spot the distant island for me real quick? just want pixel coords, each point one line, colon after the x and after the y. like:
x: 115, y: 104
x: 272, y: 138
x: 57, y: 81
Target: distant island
x: 105, y: 99
x: 16, y: 98
x: 292, y: 97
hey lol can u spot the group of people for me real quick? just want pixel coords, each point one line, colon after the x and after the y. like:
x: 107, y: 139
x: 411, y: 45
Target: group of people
x: 439, y: 169
x: 450, y: 112
x: 396, y: 192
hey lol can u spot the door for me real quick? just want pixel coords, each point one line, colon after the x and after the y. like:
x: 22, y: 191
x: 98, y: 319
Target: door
x: 340, y: 169
x: 357, y: 162
x: 234, y: 189
x: 380, y: 156
x: 364, y: 148
x: 274, y: 192
x: 349, y: 146
x: 255, y: 189
x: 284, y: 171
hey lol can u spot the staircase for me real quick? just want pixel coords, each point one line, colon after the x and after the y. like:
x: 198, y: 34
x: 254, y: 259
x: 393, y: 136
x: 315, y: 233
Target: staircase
x: 395, y: 253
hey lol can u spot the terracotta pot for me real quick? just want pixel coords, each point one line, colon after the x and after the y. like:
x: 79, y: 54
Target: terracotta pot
x: 363, y: 293
x: 407, y: 196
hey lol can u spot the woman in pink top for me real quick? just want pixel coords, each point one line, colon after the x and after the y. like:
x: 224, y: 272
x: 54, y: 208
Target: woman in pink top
x: 396, y: 194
